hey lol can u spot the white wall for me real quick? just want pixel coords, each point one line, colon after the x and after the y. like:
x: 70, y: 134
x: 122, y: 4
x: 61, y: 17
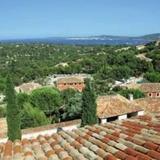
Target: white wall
x: 121, y: 117
x: 45, y: 132
x: 140, y: 113
x: 103, y: 121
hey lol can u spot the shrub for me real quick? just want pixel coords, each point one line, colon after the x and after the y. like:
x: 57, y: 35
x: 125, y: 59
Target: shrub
x: 33, y: 117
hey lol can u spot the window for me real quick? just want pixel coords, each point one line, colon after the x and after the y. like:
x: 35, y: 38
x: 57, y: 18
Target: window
x: 150, y: 94
x: 158, y: 94
x: 110, y: 119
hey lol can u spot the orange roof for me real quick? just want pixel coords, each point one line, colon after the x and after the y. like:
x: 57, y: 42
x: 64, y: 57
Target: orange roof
x: 70, y: 80
x: 149, y: 104
x: 28, y: 87
x: 113, y: 105
x: 150, y: 87
x: 131, y: 139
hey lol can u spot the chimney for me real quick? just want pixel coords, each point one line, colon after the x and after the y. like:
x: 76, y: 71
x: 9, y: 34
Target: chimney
x: 131, y: 97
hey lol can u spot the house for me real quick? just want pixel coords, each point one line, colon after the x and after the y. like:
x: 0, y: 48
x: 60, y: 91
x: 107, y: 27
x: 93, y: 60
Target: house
x: 157, y: 43
x: 27, y: 87
x: 52, y: 79
x: 73, y: 82
x: 151, y: 89
x: 113, y: 107
x: 137, y: 138
x: 143, y: 57
x: 148, y: 104
x: 140, y: 47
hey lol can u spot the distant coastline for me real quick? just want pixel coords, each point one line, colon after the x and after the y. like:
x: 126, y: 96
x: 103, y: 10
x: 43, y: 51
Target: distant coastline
x: 91, y: 40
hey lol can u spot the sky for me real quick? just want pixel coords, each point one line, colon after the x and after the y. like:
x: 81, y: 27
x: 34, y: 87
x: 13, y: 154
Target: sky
x: 50, y: 18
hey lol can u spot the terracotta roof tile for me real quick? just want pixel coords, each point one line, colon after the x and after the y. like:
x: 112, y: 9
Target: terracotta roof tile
x: 150, y: 87
x: 72, y: 79
x: 113, y: 105
x: 110, y: 141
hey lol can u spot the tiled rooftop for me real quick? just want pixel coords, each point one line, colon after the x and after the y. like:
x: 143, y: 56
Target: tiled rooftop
x: 113, y: 105
x: 72, y: 79
x: 131, y: 139
x: 150, y: 87
x: 148, y: 104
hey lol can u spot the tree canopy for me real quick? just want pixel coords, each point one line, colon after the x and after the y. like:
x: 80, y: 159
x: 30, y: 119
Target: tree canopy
x: 13, y: 112
x: 89, y: 106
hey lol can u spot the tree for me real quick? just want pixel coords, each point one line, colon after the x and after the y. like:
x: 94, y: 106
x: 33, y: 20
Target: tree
x: 46, y: 99
x: 13, y: 112
x: 67, y: 94
x: 73, y: 108
x: 89, y: 107
x: 135, y: 92
x: 33, y: 117
x: 152, y: 76
x: 22, y: 98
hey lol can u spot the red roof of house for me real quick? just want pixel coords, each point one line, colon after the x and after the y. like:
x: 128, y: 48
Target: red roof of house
x: 150, y: 87
x: 114, y: 105
x: 148, y: 104
x: 70, y: 80
x: 131, y: 139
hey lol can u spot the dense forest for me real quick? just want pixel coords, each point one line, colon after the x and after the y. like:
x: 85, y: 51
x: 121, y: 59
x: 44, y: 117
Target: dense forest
x: 106, y: 63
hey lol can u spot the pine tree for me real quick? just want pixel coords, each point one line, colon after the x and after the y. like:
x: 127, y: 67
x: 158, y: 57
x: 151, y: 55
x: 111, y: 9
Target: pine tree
x: 13, y: 112
x: 89, y: 107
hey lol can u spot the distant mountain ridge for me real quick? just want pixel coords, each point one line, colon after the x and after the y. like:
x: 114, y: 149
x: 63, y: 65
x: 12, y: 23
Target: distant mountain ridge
x: 92, y: 40
x: 154, y: 36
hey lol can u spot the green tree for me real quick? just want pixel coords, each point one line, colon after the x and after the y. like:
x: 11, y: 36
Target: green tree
x: 67, y: 94
x: 33, y: 117
x: 135, y: 92
x: 152, y: 76
x: 89, y: 107
x: 22, y: 98
x: 73, y: 108
x: 13, y: 112
x: 46, y: 99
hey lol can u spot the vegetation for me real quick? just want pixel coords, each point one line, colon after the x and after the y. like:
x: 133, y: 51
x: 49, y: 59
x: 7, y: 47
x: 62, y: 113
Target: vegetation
x: 73, y: 108
x: 89, y: 107
x: 152, y: 76
x: 13, y: 112
x: 36, y: 61
x: 33, y: 117
x: 2, y: 112
x: 46, y: 99
x: 135, y: 92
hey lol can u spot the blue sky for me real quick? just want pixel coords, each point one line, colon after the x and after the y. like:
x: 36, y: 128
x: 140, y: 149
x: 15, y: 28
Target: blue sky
x: 47, y: 18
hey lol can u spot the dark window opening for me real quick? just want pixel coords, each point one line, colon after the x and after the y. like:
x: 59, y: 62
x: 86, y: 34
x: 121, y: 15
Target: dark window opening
x: 133, y: 114
x: 110, y: 119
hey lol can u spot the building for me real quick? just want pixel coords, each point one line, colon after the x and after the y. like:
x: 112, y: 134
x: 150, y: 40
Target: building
x: 143, y: 57
x: 52, y: 79
x: 148, y: 104
x: 151, y: 89
x: 140, y: 47
x: 76, y: 83
x: 137, y: 138
x: 27, y: 87
x: 113, y: 107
